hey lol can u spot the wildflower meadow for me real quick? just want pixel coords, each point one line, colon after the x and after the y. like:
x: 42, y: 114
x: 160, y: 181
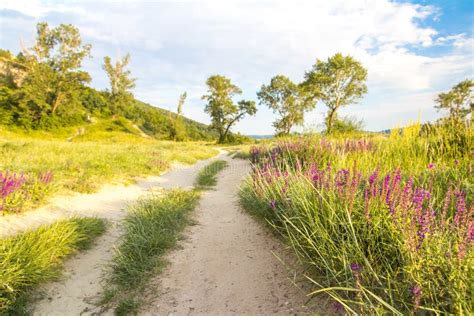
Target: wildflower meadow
x: 384, y: 225
x: 17, y: 190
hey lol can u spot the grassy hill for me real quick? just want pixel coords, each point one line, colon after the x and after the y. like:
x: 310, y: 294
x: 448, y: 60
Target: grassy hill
x: 157, y: 122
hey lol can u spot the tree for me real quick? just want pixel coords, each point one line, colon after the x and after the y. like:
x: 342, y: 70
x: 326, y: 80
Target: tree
x: 458, y: 101
x: 120, y: 83
x: 287, y: 99
x: 177, y: 130
x: 53, y: 77
x: 224, y: 113
x: 337, y: 82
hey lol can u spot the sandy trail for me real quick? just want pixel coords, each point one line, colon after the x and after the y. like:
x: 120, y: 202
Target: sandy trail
x: 107, y: 203
x: 226, y: 263
x: 79, y: 289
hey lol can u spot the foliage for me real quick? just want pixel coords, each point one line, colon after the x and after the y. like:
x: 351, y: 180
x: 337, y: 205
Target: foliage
x: 151, y: 228
x: 384, y: 224
x: 34, y: 257
x: 458, y: 101
x: 177, y: 129
x: 53, y: 77
x: 44, y: 88
x: 337, y: 82
x: 120, y: 84
x: 347, y: 124
x: 224, y: 113
x: 288, y: 100
x: 107, y: 154
x: 207, y: 177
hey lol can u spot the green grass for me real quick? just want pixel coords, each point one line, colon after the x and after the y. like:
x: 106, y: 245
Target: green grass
x: 36, y: 256
x: 127, y: 307
x: 85, y: 165
x: 151, y: 228
x: 207, y: 177
x: 367, y: 242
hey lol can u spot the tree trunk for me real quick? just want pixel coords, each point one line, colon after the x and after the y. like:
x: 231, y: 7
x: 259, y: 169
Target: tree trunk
x: 329, y: 121
x: 56, y: 102
x: 223, y: 137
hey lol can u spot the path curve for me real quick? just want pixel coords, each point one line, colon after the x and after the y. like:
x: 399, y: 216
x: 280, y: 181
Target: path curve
x: 78, y: 291
x: 107, y: 203
x: 226, y: 264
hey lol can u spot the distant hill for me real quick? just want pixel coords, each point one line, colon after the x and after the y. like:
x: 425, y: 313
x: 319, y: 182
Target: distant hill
x: 260, y: 136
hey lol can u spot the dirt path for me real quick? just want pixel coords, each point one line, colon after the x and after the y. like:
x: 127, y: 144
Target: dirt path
x: 226, y: 264
x: 79, y: 289
x: 107, y: 203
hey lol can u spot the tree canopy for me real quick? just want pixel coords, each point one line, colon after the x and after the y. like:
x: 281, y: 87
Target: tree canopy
x: 222, y: 109
x: 458, y: 101
x: 51, y: 73
x: 121, y: 82
x: 337, y: 82
x: 288, y: 100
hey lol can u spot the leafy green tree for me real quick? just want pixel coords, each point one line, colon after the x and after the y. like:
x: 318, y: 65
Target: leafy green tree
x: 120, y: 84
x: 53, y: 78
x: 337, y: 82
x: 222, y: 109
x: 288, y: 100
x: 458, y: 101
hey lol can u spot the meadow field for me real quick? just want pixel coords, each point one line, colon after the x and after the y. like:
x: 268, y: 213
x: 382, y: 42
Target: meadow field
x: 35, y: 165
x: 265, y: 160
x: 383, y: 222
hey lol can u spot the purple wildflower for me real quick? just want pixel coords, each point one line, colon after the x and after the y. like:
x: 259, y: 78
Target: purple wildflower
x: 337, y: 306
x: 273, y: 204
x: 460, y: 208
x: 355, y: 267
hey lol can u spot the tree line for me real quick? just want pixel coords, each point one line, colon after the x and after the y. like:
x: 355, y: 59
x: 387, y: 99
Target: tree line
x: 44, y: 87
x: 336, y: 82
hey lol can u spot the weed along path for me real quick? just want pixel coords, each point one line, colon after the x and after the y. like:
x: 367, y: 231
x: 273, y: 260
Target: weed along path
x: 78, y: 291
x: 225, y: 264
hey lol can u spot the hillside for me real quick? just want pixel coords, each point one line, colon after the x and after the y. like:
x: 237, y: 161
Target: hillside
x: 38, y: 96
x: 156, y: 122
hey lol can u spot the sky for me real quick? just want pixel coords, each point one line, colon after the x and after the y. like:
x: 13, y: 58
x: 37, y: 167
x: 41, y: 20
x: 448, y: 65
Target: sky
x: 413, y: 50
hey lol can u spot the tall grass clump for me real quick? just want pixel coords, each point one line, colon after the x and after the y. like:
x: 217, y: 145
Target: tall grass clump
x: 385, y: 224
x: 152, y: 227
x: 34, y: 257
x: 207, y: 176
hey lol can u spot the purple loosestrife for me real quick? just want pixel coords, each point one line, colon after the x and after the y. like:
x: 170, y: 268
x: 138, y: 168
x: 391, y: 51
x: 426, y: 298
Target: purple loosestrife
x: 416, y: 293
x: 337, y: 307
x: 341, y: 180
x: 373, y: 184
x: 356, y: 270
x: 273, y: 204
x: 9, y: 183
x: 467, y: 241
x: 459, y: 216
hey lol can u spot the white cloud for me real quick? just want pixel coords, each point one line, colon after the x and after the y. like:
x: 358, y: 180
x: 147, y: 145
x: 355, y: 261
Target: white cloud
x: 175, y: 46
